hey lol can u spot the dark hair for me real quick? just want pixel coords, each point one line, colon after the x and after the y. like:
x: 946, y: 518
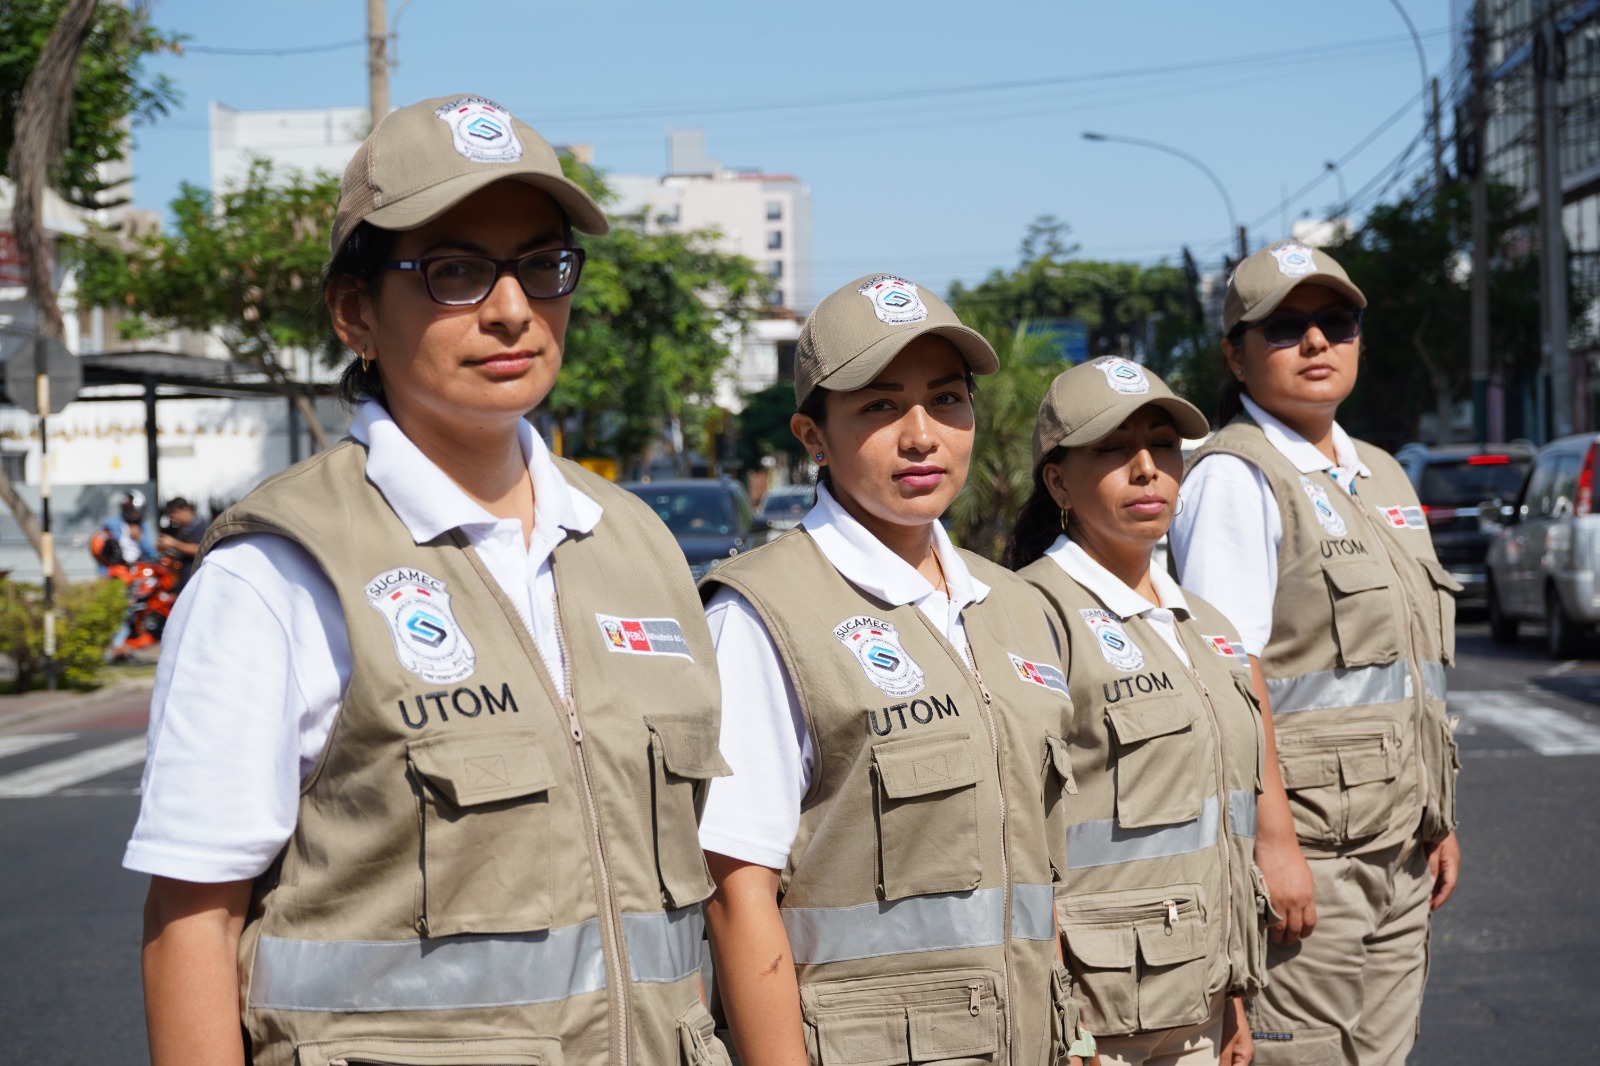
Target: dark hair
x: 816, y: 409
x: 355, y: 266
x: 1038, y: 523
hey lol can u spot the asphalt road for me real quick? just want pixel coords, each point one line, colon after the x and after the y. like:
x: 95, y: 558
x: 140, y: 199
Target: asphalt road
x: 1515, y: 955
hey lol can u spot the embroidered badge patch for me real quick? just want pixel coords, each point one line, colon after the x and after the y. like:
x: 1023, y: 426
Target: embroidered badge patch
x: 1294, y: 259
x: 876, y: 646
x: 427, y: 639
x: 894, y: 300
x: 643, y: 636
x: 1044, y: 674
x: 1330, y: 519
x: 1114, y: 643
x: 481, y: 130
x: 1124, y: 375
x: 1404, y: 517
x: 1228, y: 649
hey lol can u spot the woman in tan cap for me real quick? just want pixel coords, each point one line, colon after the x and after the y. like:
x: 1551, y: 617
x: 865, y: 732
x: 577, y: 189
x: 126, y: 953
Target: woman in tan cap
x: 1161, y: 913
x: 886, y: 850
x: 1316, y: 546
x: 405, y: 801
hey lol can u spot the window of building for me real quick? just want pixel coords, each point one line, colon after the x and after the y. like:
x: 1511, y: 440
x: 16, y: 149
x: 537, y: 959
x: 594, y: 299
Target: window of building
x: 775, y: 240
x: 15, y: 464
x: 774, y: 210
x: 668, y: 215
x: 786, y: 360
x: 775, y: 269
x: 775, y: 297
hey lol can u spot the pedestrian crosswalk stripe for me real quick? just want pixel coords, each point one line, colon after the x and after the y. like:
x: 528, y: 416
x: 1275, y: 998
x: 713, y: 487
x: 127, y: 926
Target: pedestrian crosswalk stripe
x: 74, y: 769
x: 18, y: 743
x: 1544, y: 729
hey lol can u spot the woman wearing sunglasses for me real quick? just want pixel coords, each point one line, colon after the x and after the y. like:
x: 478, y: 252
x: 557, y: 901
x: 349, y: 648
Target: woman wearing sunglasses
x: 405, y: 800
x: 1315, y: 546
x: 1161, y: 913
x: 886, y: 851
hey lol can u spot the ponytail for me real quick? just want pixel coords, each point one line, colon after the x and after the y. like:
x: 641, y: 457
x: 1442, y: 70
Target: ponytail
x: 1038, y: 523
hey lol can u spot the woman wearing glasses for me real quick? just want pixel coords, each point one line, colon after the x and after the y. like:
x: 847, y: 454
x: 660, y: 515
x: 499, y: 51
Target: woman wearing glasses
x: 404, y: 801
x: 1315, y: 546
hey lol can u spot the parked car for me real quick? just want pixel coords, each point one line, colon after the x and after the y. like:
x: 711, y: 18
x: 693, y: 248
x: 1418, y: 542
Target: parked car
x: 1546, y: 551
x: 709, y: 517
x: 784, y: 506
x: 1453, y: 481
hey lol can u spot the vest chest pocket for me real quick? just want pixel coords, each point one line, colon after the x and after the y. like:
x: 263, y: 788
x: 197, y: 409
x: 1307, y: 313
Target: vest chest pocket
x: 380, y: 1051
x: 1158, y: 767
x: 486, y: 836
x: 683, y: 758
x: 1445, y: 588
x: 1343, y: 786
x: 1363, y: 614
x: 943, y: 1018
x: 926, y: 803
x: 1139, y: 957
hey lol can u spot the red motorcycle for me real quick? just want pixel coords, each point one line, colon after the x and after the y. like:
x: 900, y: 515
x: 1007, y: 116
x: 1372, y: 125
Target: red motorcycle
x: 152, y: 590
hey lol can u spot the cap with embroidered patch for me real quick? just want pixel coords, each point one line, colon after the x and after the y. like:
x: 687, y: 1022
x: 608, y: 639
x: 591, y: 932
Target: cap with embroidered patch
x: 422, y: 160
x: 856, y: 331
x: 1088, y: 401
x: 1261, y: 281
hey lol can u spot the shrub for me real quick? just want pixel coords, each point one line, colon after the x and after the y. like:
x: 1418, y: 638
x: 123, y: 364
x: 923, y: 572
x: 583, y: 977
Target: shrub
x: 87, y: 616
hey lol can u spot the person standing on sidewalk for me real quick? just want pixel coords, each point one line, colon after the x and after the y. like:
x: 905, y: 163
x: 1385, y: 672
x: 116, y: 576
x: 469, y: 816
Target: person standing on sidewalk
x: 1315, y: 546
x: 437, y: 709
x: 1162, y: 912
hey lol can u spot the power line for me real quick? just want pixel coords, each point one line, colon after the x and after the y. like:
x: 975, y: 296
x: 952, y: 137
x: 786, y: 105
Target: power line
x: 306, y: 49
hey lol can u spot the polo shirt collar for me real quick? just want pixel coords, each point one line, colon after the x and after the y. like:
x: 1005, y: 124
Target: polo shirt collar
x: 428, y: 503
x: 1110, y: 589
x: 866, y: 562
x: 1302, y: 453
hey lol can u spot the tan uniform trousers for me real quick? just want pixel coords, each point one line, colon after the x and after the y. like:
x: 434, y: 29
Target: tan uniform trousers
x: 1351, y: 992
x: 1189, y: 1045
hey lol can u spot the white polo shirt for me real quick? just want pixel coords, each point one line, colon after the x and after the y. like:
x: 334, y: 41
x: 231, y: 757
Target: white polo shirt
x: 256, y: 657
x: 754, y: 815
x: 1228, y: 531
x: 1121, y: 600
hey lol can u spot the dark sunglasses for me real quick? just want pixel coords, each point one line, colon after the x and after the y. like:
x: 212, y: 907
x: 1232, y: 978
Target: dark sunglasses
x: 462, y: 280
x: 1285, y: 329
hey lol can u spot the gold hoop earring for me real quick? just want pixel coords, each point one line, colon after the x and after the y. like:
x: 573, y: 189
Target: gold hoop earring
x: 1063, y: 519
x: 366, y: 364
x: 1178, y: 510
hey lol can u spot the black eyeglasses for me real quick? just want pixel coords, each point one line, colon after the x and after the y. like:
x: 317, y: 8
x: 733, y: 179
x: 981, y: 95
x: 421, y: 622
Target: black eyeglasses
x: 1285, y: 329
x: 462, y: 280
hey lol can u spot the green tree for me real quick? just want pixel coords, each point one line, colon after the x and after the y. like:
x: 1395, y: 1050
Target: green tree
x: 763, y: 427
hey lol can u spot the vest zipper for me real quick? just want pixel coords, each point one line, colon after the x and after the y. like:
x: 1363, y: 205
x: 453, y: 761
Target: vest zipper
x: 1005, y: 832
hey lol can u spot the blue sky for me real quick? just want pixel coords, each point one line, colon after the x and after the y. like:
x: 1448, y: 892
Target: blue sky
x: 930, y: 134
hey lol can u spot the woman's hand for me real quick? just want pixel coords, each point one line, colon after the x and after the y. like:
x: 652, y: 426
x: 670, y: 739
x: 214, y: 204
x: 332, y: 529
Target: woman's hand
x: 1444, y: 862
x: 191, y: 977
x: 1238, y: 1046
x: 1289, y: 884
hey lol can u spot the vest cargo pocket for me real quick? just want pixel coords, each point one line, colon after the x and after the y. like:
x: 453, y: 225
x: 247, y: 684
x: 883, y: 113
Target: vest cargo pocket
x: 1342, y: 786
x: 944, y: 1018
x: 1445, y: 589
x: 385, y: 1051
x: 1363, y: 621
x: 927, y: 814
x: 1158, y: 768
x: 1063, y: 1013
x: 683, y: 757
x: 1139, y: 958
x: 697, y: 1038
x: 485, y: 833
x: 1442, y: 762
x: 1248, y: 693
x: 1254, y: 934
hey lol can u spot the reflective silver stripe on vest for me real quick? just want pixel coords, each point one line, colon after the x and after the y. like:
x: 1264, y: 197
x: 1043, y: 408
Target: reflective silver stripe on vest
x: 1433, y: 683
x: 1359, y: 686
x: 462, y: 972
x: 1033, y: 912
x: 973, y: 919
x: 1103, y: 843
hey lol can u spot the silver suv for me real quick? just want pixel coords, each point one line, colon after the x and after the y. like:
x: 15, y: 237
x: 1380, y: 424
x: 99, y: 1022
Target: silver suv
x: 1546, y: 551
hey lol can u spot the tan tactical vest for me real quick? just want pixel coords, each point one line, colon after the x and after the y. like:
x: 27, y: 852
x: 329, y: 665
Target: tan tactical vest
x: 483, y: 871
x: 1163, y: 906
x: 1362, y: 629
x: 918, y: 894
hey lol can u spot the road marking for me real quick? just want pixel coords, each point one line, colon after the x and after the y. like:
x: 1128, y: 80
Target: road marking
x: 18, y: 743
x: 1544, y: 729
x: 74, y: 769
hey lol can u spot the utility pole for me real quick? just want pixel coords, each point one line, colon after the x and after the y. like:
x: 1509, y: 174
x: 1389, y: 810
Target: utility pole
x: 1440, y: 178
x: 1472, y: 163
x: 378, y: 59
x: 1548, y: 69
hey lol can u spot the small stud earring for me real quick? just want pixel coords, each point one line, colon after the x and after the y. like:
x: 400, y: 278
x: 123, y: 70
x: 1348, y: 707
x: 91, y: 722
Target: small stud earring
x: 819, y: 457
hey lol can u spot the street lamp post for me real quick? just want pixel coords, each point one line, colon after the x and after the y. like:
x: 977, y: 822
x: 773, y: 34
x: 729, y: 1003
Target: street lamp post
x: 1233, y: 220
x: 1430, y: 100
x: 1344, y: 199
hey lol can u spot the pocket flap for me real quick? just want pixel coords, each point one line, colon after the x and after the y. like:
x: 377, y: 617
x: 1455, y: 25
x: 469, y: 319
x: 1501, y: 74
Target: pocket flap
x: 1061, y: 758
x: 1164, y: 944
x: 513, y: 1051
x: 482, y: 769
x: 1440, y: 576
x: 1355, y: 575
x: 1151, y: 716
x: 1308, y: 769
x: 917, y: 767
x: 1104, y: 947
x: 1363, y: 766
x: 863, y: 1038
x: 952, y: 1030
x: 689, y: 749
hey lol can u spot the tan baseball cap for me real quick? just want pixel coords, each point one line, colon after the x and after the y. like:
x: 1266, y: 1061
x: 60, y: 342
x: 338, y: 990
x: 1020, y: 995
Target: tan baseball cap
x: 857, y: 330
x: 1262, y: 280
x: 1088, y: 401
x: 422, y: 160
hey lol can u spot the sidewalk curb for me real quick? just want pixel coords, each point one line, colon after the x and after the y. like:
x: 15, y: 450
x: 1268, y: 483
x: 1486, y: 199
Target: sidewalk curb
x: 70, y: 701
